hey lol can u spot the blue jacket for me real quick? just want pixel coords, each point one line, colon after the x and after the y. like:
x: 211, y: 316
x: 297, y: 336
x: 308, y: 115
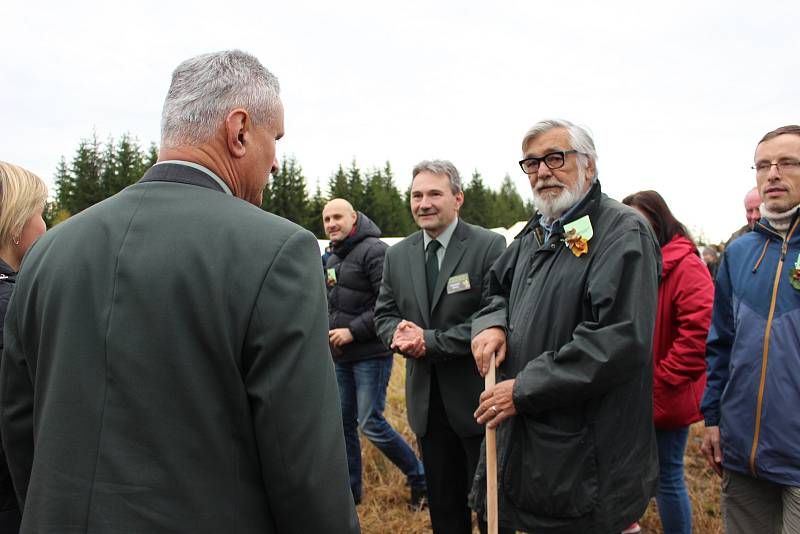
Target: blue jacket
x: 753, y: 353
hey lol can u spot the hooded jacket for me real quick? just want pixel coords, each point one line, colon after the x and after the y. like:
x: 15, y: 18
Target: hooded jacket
x: 580, y: 454
x: 753, y: 353
x: 353, y: 274
x: 685, y: 299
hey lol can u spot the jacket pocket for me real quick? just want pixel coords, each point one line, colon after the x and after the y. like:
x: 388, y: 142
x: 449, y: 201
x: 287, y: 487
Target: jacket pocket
x: 549, y: 471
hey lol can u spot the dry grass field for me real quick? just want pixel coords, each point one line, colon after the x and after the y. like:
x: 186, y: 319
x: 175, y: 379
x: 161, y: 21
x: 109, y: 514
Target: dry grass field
x: 383, y: 509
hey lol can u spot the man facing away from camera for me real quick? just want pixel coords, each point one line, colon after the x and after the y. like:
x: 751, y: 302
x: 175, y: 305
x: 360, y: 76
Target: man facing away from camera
x: 166, y: 366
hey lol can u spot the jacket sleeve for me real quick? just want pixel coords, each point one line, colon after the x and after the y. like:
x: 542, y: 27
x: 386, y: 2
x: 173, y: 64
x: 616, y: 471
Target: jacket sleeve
x: 614, y: 343
x: 693, y: 301
x: 363, y: 326
x: 718, y: 345
x: 454, y: 342
x: 289, y: 377
x: 497, y: 288
x: 16, y: 399
x: 387, y: 314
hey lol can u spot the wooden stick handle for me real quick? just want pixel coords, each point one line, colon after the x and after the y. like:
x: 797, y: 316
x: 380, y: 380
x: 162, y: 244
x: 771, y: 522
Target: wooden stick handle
x: 491, y: 462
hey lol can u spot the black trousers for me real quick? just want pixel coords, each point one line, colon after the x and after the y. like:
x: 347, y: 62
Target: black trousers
x: 450, y: 461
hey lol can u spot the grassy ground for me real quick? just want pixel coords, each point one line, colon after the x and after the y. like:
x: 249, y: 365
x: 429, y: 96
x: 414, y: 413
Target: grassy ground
x: 383, y: 508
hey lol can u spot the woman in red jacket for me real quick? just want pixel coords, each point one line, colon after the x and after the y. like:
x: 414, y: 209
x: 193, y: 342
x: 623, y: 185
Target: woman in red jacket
x: 685, y: 299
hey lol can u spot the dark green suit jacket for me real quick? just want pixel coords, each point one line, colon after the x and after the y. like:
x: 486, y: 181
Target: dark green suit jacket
x: 167, y: 370
x: 404, y: 295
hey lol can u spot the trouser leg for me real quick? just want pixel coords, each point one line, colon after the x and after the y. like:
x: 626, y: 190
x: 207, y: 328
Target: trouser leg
x: 446, y: 471
x: 371, y: 381
x: 791, y: 510
x: 347, y: 396
x: 674, y: 506
x: 750, y: 505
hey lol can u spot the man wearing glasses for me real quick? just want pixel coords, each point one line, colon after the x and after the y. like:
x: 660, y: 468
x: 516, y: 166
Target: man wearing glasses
x: 750, y: 405
x: 572, y: 306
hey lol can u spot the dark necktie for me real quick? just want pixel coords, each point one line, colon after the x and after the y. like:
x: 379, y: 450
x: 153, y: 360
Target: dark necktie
x: 432, y: 268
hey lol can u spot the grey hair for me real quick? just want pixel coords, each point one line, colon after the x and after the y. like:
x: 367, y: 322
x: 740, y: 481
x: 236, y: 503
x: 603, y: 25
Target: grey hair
x: 206, y: 88
x: 439, y: 166
x: 580, y: 140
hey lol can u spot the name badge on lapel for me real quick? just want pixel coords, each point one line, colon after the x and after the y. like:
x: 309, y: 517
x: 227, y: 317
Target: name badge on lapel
x: 458, y: 283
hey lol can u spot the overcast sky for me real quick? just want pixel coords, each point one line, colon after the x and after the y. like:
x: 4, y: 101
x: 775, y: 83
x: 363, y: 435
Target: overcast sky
x: 676, y: 95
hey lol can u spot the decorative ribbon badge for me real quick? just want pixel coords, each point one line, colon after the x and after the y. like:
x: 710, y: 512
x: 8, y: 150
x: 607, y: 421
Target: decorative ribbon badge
x: 794, y: 274
x: 577, y: 235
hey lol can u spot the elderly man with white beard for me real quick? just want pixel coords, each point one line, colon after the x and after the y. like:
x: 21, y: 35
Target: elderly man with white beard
x: 570, y: 317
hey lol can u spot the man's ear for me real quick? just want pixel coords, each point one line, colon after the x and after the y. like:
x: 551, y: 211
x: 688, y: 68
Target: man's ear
x: 459, y: 200
x: 237, y: 126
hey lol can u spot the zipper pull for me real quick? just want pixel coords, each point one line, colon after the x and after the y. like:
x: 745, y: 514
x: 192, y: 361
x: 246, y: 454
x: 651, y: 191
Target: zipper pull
x: 784, y: 248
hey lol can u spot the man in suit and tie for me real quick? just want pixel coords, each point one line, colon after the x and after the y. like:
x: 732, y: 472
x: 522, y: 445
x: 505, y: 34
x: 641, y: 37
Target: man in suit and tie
x: 432, y: 285
x: 166, y: 366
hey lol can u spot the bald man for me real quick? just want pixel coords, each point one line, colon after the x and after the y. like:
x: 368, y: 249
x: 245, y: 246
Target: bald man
x: 752, y: 204
x: 363, y: 364
x: 752, y: 210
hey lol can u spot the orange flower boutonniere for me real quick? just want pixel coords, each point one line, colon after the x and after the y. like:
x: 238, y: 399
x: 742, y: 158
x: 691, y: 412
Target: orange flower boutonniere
x: 576, y: 243
x: 577, y: 235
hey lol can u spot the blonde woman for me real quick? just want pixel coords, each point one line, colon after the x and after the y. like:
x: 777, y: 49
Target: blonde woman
x: 22, y: 200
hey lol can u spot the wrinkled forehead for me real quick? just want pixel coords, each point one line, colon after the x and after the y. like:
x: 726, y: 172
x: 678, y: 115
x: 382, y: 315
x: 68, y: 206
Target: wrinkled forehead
x: 784, y: 145
x: 553, y: 140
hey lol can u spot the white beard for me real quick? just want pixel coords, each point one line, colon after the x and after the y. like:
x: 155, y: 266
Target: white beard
x: 551, y: 207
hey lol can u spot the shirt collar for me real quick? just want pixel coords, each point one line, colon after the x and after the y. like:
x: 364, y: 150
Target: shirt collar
x: 443, y: 238
x: 222, y: 184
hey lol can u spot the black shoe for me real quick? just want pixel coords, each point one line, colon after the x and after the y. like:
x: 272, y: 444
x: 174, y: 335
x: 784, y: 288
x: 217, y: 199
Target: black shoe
x: 419, y: 499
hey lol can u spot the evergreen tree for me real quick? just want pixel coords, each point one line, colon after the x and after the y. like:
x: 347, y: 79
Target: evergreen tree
x: 130, y: 163
x: 287, y: 192
x: 478, y: 203
x: 152, y: 156
x: 337, y: 185
x: 383, y: 203
x: 314, y: 214
x: 87, y: 170
x: 508, y: 206
x: 65, y: 189
x: 355, y: 185
x: 108, y: 170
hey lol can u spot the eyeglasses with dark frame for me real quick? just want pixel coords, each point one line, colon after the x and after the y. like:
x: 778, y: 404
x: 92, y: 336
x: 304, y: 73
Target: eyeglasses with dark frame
x: 785, y: 165
x: 553, y: 160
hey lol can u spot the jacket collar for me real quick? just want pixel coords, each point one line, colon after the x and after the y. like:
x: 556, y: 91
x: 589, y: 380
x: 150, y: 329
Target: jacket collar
x: 7, y: 273
x: 181, y: 174
x: 764, y: 228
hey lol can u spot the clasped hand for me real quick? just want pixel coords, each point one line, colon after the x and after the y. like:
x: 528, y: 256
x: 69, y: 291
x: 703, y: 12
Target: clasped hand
x: 409, y: 340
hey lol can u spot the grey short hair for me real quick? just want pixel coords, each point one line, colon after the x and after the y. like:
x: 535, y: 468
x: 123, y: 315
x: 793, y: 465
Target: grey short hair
x: 580, y: 139
x: 205, y: 88
x: 439, y: 166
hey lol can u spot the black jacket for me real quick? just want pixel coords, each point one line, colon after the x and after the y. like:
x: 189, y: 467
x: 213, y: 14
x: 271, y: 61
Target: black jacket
x: 580, y: 455
x: 353, y: 275
x: 9, y: 510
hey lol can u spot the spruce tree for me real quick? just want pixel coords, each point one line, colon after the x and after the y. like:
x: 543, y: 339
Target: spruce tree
x: 87, y: 170
x: 288, y: 196
x: 314, y: 214
x: 508, y: 205
x: 478, y: 204
x: 355, y: 185
x: 337, y: 184
x: 65, y: 188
